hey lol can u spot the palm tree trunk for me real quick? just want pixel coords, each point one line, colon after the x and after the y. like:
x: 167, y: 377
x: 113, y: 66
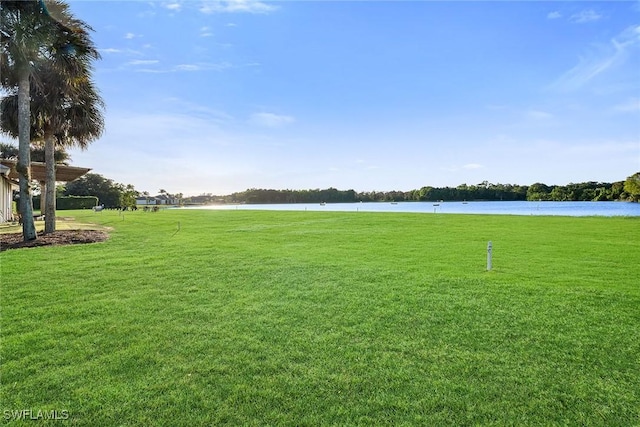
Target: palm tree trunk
x: 24, y: 157
x: 50, y: 185
x: 43, y: 201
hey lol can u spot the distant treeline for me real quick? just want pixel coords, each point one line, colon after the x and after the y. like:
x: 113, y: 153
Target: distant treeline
x: 586, y: 191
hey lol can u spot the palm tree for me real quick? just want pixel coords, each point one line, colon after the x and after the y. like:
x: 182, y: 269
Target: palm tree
x: 22, y: 30
x: 10, y: 152
x: 69, y: 114
x: 71, y: 108
x: 65, y: 115
x: 45, y: 45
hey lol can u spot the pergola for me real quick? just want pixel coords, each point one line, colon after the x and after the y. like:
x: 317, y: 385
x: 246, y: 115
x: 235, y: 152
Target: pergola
x: 63, y: 173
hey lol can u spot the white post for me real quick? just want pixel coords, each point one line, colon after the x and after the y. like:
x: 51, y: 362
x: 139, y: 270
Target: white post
x: 489, y: 250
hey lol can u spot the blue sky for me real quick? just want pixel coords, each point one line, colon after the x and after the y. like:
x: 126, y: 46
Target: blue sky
x: 217, y: 97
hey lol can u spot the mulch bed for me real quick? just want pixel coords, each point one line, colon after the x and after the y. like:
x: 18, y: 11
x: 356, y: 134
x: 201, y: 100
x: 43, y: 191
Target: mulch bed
x: 63, y: 237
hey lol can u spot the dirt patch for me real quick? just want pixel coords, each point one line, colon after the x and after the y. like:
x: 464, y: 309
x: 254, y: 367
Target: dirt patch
x: 61, y: 237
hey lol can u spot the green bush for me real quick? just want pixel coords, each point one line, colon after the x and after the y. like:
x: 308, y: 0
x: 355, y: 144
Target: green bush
x: 76, y: 202
x: 70, y: 202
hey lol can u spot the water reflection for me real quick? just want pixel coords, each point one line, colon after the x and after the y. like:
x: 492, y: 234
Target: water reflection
x: 494, y: 208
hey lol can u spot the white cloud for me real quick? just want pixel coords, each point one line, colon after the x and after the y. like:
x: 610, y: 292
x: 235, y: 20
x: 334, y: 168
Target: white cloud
x: 187, y: 67
x: 554, y: 15
x: 538, y: 115
x: 130, y: 36
x: 600, y: 59
x: 236, y: 6
x: 630, y: 106
x: 270, y: 120
x: 205, y: 32
x: 198, y: 111
x: 110, y: 50
x: 587, y: 15
x: 176, y: 7
x: 143, y: 62
x: 203, y: 67
x: 180, y: 67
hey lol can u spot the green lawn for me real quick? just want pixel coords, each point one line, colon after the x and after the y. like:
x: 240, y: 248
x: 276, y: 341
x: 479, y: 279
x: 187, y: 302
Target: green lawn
x: 193, y: 318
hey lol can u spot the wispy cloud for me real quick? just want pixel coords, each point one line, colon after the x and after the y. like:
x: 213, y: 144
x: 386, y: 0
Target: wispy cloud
x: 236, y: 6
x: 270, y: 120
x: 110, y: 50
x: 188, y: 67
x: 538, y: 115
x: 198, y: 111
x: 601, y: 58
x: 176, y: 68
x: 584, y: 16
x: 206, y: 32
x: 117, y: 51
x: 143, y: 62
x: 203, y: 67
x: 630, y: 106
x: 130, y: 36
x: 182, y: 67
x: 554, y: 15
x: 176, y: 7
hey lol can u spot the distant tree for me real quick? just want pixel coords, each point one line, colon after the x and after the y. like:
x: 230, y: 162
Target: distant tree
x: 128, y: 196
x: 106, y: 190
x: 616, y: 190
x: 426, y: 193
x: 559, y: 194
x: 632, y: 186
x: 538, y: 191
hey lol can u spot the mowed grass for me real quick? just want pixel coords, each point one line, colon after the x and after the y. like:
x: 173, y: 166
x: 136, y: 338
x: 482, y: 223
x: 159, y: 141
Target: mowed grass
x: 187, y: 317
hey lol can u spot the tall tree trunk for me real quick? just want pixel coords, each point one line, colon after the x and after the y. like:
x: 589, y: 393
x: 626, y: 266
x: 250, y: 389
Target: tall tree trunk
x: 50, y: 187
x: 24, y: 157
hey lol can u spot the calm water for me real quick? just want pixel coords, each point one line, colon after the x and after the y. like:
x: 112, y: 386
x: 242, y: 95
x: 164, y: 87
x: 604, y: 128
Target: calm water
x: 502, y: 208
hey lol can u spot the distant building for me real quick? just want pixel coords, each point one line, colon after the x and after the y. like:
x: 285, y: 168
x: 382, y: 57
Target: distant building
x: 146, y: 201
x: 162, y: 199
x: 7, y: 187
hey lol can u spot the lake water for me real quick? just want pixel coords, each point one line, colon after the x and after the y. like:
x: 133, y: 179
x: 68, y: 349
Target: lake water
x: 493, y: 208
